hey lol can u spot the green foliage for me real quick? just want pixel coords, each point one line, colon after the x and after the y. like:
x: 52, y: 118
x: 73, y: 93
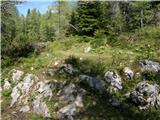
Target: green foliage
x: 100, y: 33
x: 151, y: 76
x: 87, y: 17
x: 98, y: 42
x: 6, y: 93
x: 89, y: 67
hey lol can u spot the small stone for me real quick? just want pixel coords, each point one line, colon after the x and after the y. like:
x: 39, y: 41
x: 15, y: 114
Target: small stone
x: 87, y: 50
x: 128, y: 73
x: 81, y: 58
x: 32, y: 68
x: 56, y: 63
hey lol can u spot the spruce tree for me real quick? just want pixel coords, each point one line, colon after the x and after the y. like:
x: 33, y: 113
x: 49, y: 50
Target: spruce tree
x: 88, y: 17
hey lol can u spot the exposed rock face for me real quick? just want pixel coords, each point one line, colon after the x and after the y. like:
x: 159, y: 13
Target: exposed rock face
x: 16, y: 75
x: 146, y: 95
x: 29, y: 86
x: 22, y: 88
x: 15, y: 94
x: 114, y: 81
x: 44, y: 88
x: 40, y: 107
x: 67, y: 112
x: 72, y: 95
x: 128, y: 73
x: 151, y: 66
x: 93, y: 82
x: 7, y: 84
x: 68, y: 93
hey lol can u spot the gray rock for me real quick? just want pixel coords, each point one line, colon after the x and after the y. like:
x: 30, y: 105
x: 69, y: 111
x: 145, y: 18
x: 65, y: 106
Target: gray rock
x: 24, y: 108
x: 40, y: 107
x: 68, y: 112
x: 128, y: 73
x: 93, y: 82
x: 72, y: 95
x: 51, y: 72
x: 21, y: 90
x: 69, y: 69
x: 114, y: 81
x: 44, y: 88
x: 27, y: 82
x: 15, y: 94
x: 145, y: 95
x: 158, y: 101
x: 68, y: 93
x: 78, y: 101
x: 16, y: 75
x: 7, y: 84
x: 148, y: 65
x: 87, y: 50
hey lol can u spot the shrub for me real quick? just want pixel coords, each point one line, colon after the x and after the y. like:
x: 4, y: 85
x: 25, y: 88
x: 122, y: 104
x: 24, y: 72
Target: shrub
x: 99, y: 33
x: 6, y: 92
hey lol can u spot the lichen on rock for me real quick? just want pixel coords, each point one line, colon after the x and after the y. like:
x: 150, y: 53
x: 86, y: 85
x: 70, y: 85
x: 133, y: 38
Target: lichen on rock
x: 145, y: 95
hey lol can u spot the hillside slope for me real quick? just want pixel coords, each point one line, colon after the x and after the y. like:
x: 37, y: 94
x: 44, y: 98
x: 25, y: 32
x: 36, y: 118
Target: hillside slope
x: 89, y: 56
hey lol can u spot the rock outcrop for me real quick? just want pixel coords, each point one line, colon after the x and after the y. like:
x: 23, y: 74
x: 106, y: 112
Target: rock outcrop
x: 146, y: 95
x: 16, y: 75
x: 21, y: 90
x: 94, y: 83
x: 150, y: 66
x: 73, y: 96
x: 40, y: 107
x: 114, y: 81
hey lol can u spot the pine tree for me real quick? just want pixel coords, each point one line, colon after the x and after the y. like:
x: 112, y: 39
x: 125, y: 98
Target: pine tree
x: 88, y: 17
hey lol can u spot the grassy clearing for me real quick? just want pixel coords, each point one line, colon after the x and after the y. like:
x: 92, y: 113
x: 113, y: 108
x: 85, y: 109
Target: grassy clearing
x: 126, y: 50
